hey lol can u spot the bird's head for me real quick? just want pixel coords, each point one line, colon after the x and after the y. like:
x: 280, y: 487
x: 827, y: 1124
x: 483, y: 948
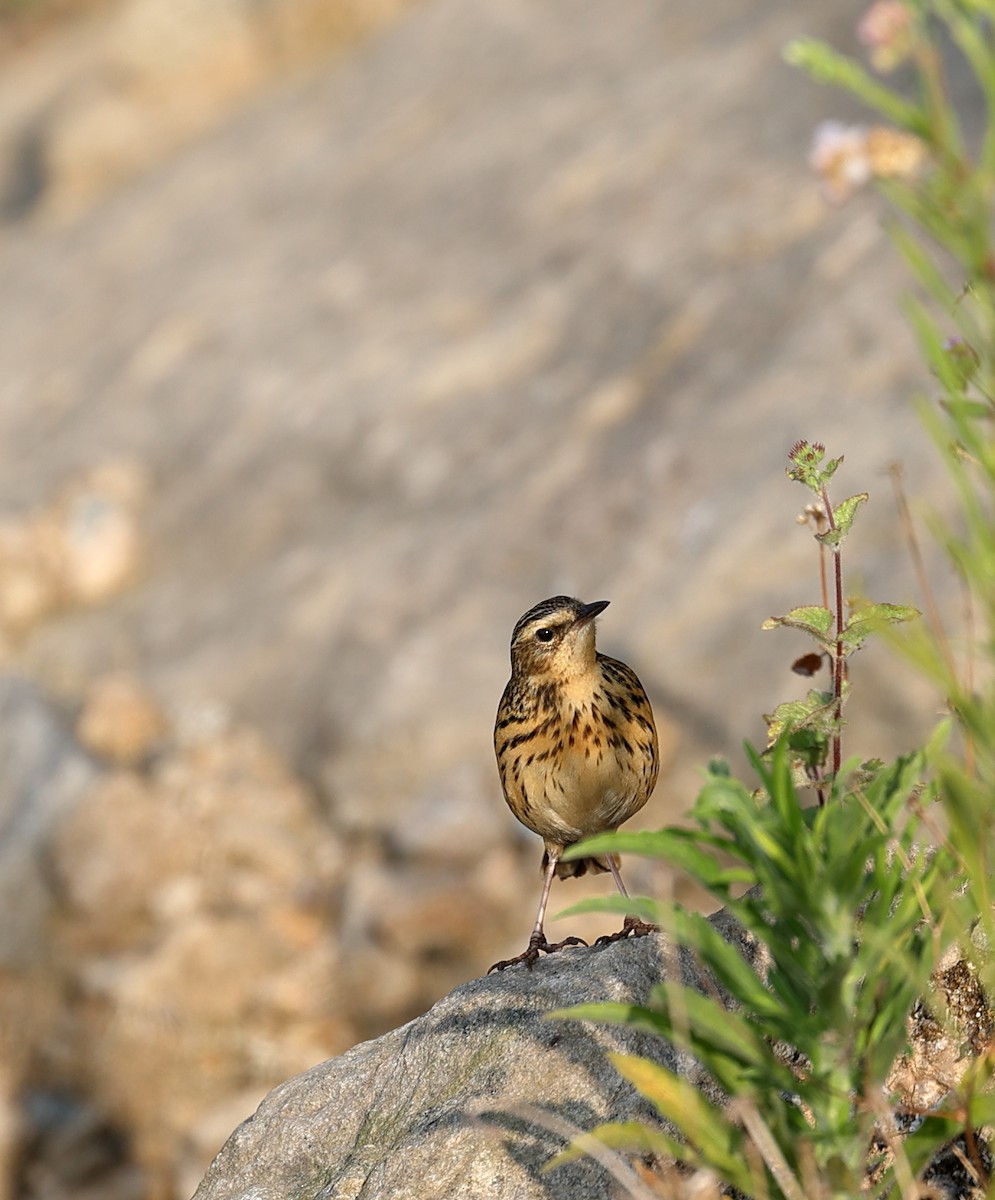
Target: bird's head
x: 556, y: 638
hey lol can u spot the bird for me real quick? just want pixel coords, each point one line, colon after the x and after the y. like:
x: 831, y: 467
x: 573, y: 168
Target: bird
x: 576, y: 748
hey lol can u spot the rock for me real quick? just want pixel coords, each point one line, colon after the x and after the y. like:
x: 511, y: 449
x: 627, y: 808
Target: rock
x: 79, y: 549
x: 443, y: 1106
x: 168, y: 952
x: 73, y: 1153
x: 146, y: 78
x: 28, y: 579
x: 121, y: 720
x: 43, y: 775
x: 474, y: 1098
x: 102, y: 544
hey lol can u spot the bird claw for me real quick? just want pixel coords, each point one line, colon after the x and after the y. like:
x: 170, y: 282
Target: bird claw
x: 537, y: 945
x: 632, y: 927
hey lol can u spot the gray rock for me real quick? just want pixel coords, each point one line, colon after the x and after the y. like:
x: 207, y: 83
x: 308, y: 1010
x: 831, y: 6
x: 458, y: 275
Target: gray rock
x: 440, y: 1107
x: 474, y: 1098
x: 43, y: 773
x: 91, y: 105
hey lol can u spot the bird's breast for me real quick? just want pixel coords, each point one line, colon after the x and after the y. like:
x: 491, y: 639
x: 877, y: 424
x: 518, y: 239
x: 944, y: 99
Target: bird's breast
x: 582, y: 770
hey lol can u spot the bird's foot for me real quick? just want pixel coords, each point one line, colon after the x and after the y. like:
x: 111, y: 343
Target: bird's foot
x: 537, y: 945
x: 632, y: 927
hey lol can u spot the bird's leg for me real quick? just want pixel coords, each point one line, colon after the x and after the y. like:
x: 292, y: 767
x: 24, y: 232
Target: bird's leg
x: 537, y: 942
x: 632, y: 926
x: 617, y: 876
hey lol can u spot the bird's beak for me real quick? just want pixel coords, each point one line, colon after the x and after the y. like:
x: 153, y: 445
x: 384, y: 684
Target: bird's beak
x: 589, y: 611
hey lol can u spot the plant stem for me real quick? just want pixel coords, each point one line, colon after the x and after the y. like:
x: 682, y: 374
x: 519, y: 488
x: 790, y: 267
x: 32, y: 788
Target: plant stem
x: 838, y: 652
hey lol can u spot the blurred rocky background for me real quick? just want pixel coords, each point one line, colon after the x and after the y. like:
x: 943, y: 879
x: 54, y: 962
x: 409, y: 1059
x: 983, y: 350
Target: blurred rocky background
x: 334, y: 336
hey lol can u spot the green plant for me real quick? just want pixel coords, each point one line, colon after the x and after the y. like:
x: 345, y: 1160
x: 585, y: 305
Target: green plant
x: 941, y: 224
x: 813, y: 727
x: 840, y: 904
x: 841, y: 888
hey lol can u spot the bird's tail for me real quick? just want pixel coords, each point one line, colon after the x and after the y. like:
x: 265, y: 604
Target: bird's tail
x: 580, y: 866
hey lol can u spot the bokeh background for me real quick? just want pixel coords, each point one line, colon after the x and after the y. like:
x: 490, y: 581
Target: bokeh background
x: 334, y: 335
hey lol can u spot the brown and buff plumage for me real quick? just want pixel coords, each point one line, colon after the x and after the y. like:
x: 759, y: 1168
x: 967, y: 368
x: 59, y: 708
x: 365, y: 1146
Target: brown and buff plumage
x: 576, y: 745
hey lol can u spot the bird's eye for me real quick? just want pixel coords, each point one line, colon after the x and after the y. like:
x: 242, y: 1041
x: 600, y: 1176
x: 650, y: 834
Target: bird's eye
x: 544, y: 635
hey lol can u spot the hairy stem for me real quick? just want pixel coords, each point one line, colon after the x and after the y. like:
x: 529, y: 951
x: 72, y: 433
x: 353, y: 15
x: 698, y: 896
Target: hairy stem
x: 838, y: 651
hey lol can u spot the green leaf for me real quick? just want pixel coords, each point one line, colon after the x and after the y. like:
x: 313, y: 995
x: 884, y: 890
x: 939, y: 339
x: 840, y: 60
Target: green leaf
x: 660, y: 843
x: 622, y: 1135
x: 684, y: 848
x: 776, y: 774
x: 922, y: 266
x: 827, y: 66
x: 809, y: 747
x: 968, y: 410
x: 953, y: 362
x: 636, y: 906
x: 704, y: 1124
x: 843, y: 514
x: 981, y: 1110
x: 726, y: 1042
x: 816, y: 710
x: 871, y: 617
x: 972, y: 36
x: 731, y: 1048
x: 812, y: 618
x: 725, y: 961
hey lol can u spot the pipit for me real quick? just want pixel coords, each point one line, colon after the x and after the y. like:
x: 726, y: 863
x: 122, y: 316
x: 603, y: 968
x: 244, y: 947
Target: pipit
x: 576, y: 748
